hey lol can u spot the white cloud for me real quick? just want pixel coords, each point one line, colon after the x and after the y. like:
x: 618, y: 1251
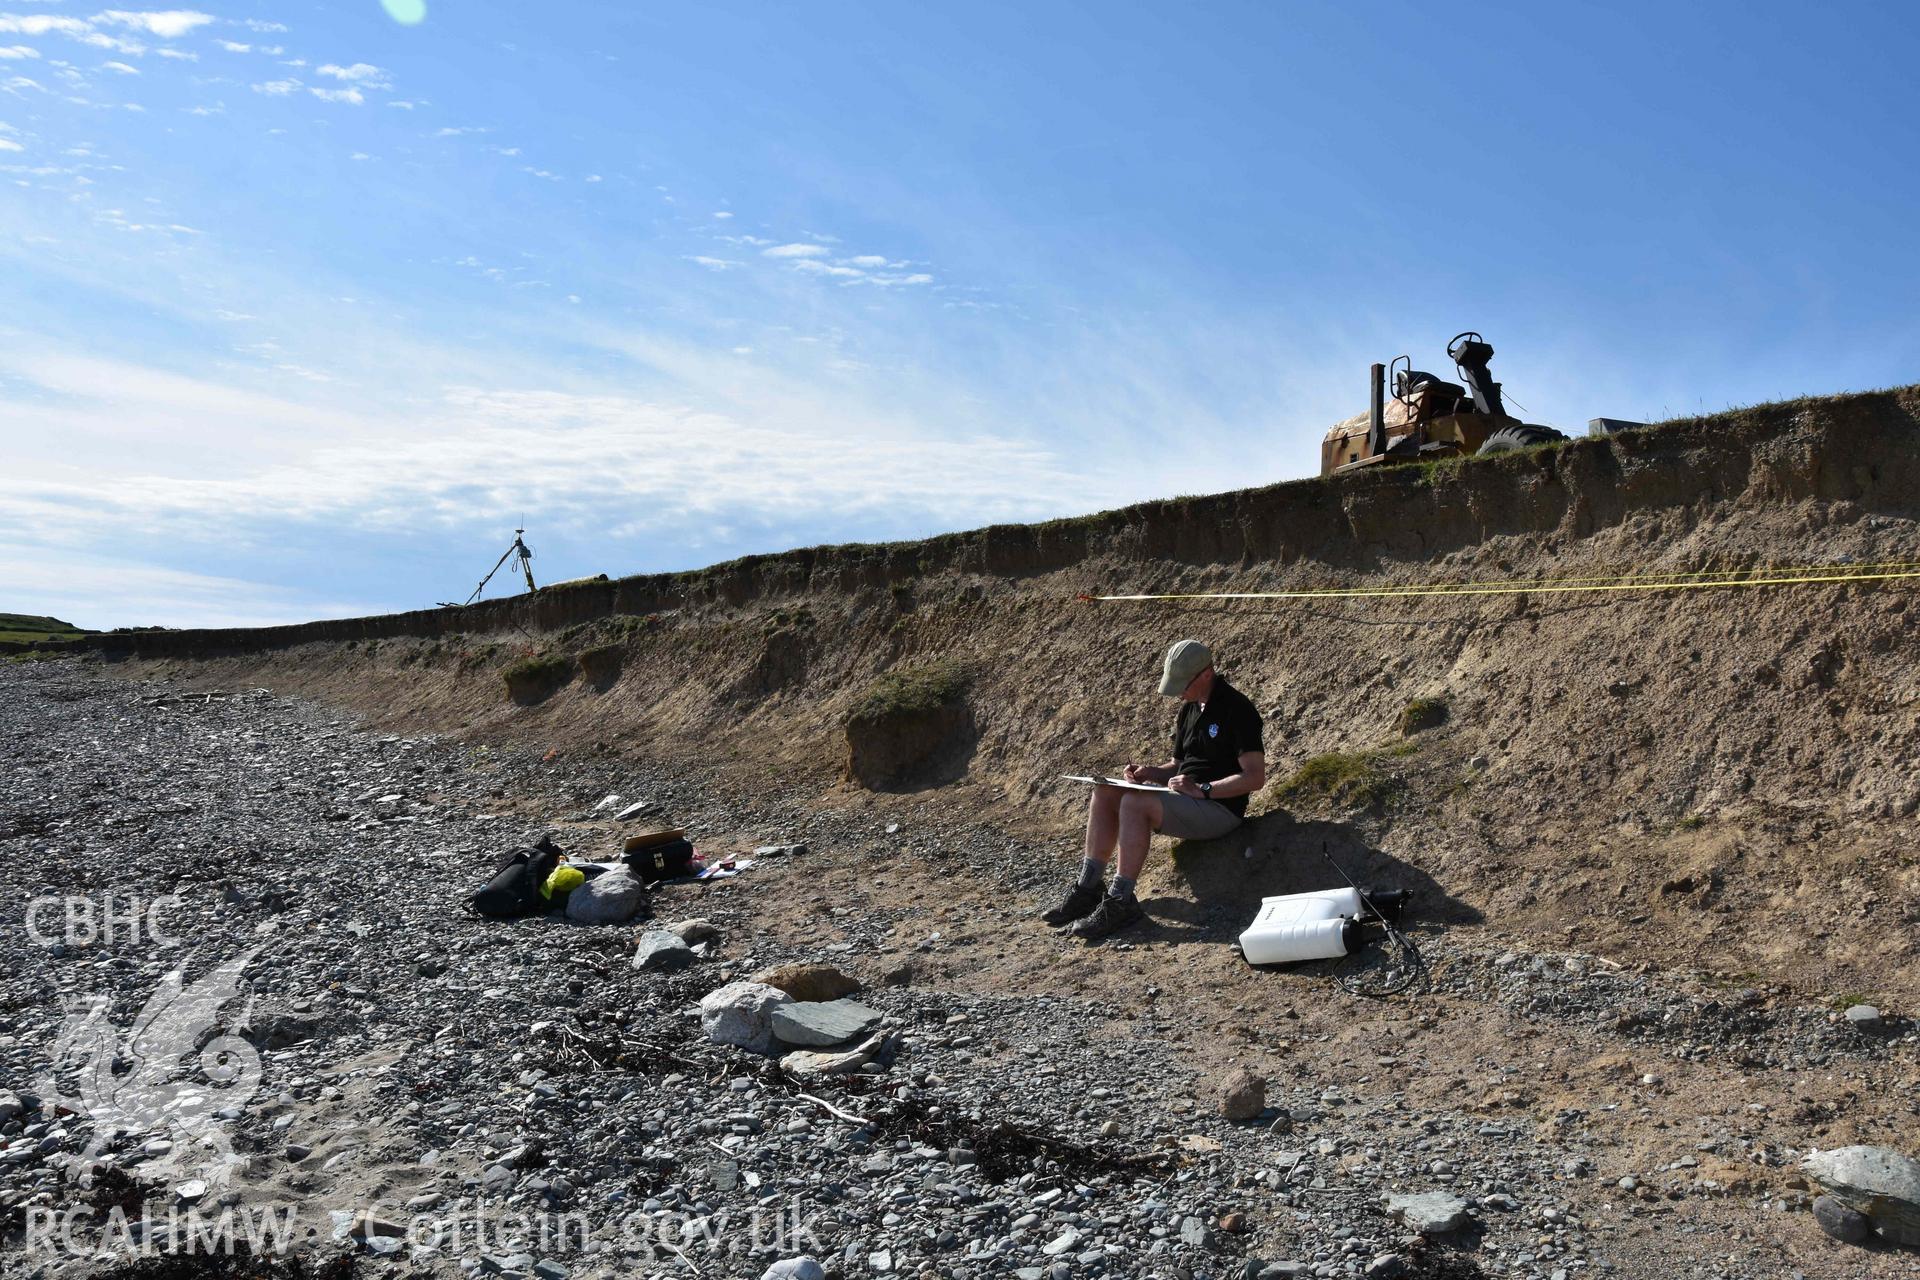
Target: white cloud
x: 723, y: 214
x: 18, y: 51
x: 278, y: 88
x: 592, y: 177
x: 540, y: 173
x: 712, y: 264
x: 402, y: 103
x: 8, y: 144
x: 38, y: 24
x: 797, y: 251
x: 362, y: 73
x: 255, y: 24
x: 507, y: 151
x: 217, y: 109
x: 169, y: 24
x: 234, y: 46
x: 119, y: 44
x: 819, y: 268
x: 596, y: 458
x: 179, y: 55
x: 870, y: 260
x: 121, y: 67
x: 348, y: 94
x: 455, y: 131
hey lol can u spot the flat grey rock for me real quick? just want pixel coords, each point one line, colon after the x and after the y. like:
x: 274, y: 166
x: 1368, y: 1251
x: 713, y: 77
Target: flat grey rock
x: 821, y: 1023
x: 1876, y: 1181
x: 658, y: 951
x: 614, y: 897
x: 1431, y: 1213
x: 1865, y: 1017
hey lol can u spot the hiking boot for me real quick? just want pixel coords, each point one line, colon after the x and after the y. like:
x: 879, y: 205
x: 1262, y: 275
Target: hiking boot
x: 1111, y: 916
x: 1083, y: 899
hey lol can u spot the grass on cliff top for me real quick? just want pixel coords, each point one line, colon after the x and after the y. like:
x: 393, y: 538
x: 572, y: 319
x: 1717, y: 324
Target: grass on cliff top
x: 913, y: 690
x: 30, y: 626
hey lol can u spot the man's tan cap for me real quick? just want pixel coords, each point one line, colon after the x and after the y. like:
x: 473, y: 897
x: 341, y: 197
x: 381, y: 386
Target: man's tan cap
x: 1187, y: 659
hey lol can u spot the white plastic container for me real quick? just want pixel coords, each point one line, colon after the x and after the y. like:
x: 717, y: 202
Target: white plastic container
x: 1303, y: 926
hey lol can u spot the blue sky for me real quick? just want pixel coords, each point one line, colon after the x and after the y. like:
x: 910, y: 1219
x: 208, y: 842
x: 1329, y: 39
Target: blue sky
x: 303, y: 308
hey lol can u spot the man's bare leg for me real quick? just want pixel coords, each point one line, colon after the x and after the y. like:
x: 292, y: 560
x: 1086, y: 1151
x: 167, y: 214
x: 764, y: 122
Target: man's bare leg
x: 1140, y: 816
x: 1103, y: 833
x: 1103, y: 822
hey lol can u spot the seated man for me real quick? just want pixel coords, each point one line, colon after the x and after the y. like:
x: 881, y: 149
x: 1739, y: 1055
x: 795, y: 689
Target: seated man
x: 1218, y: 761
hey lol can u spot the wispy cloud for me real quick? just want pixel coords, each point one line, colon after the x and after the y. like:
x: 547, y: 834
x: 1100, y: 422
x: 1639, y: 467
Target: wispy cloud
x: 12, y: 51
x: 278, y: 88
x: 234, y: 46
x: 797, y: 251
x: 349, y: 94
x: 122, y: 68
x: 361, y: 73
x: 712, y: 264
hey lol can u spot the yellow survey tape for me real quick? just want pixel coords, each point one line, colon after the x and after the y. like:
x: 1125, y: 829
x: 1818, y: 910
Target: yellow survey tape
x: 1887, y: 571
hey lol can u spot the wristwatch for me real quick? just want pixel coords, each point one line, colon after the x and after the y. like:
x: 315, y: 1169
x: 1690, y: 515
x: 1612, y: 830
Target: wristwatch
x: 1206, y: 789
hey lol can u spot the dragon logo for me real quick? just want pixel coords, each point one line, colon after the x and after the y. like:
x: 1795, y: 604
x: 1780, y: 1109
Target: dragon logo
x: 169, y: 1077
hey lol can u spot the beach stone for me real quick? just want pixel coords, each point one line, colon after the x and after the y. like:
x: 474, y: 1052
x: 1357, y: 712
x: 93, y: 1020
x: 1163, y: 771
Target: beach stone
x: 801, y: 1268
x: 1840, y: 1221
x: 1876, y: 1181
x: 809, y: 981
x: 613, y: 897
x: 1865, y: 1017
x: 694, y: 932
x: 741, y: 1013
x: 817, y: 1062
x: 1243, y: 1095
x: 1431, y: 1213
x: 658, y: 951
x: 823, y: 1023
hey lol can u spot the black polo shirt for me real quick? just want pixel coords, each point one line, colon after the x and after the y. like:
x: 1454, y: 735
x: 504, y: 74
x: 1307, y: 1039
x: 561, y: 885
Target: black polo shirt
x: 1210, y: 737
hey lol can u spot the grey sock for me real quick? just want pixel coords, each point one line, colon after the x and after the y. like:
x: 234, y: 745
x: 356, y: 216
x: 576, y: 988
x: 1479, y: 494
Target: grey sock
x: 1091, y: 873
x: 1122, y: 887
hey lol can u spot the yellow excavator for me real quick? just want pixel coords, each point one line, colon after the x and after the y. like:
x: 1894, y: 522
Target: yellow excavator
x: 1429, y: 417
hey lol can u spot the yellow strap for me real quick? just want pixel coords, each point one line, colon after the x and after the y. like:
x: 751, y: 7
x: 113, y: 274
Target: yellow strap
x: 1888, y: 572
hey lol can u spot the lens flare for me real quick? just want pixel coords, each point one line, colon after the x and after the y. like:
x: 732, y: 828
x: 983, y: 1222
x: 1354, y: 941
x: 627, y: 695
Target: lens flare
x: 407, y: 13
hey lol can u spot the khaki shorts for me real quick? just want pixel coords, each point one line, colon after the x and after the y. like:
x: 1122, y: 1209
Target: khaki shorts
x: 1191, y: 818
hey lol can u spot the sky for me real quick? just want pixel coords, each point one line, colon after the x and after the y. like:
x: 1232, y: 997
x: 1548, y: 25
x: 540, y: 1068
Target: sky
x: 305, y: 307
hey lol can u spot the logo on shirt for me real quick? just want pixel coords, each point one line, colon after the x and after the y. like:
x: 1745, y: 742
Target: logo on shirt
x: 1213, y: 731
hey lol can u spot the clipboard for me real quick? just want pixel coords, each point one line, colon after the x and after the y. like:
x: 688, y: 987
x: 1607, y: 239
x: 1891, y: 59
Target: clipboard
x: 1098, y: 781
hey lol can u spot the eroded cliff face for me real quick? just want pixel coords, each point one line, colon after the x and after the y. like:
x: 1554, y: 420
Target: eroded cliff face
x: 1678, y: 764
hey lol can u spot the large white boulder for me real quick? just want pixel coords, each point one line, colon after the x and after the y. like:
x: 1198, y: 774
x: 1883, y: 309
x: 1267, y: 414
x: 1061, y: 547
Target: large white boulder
x: 741, y: 1013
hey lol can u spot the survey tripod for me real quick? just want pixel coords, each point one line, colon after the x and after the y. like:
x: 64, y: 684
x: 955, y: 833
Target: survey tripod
x: 520, y: 549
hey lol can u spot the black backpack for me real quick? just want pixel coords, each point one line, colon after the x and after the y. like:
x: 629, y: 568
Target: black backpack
x: 664, y: 855
x: 514, y: 889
